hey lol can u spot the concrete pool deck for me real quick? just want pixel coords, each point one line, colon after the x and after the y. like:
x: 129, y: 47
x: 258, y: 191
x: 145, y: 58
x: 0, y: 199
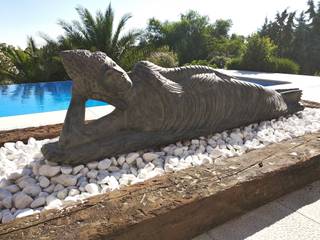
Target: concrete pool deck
x: 310, y: 85
x: 48, y: 118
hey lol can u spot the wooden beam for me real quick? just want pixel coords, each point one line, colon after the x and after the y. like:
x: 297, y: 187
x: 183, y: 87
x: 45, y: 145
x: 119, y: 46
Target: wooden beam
x: 182, y: 204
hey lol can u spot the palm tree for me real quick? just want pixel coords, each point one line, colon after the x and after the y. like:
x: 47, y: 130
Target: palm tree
x: 96, y: 33
x: 32, y: 64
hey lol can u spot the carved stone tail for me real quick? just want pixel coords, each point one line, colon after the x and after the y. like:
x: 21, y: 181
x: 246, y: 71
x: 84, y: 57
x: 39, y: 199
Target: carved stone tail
x: 292, y: 98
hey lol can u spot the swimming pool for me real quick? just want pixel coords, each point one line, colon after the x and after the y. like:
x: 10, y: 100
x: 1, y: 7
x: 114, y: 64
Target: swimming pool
x: 18, y: 99
x: 27, y: 98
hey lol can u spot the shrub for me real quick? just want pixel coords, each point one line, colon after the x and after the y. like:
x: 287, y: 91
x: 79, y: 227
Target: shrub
x: 235, y: 64
x: 260, y: 56
x: 201, y: 62
x: 164, y: 58
x: 285, y: 65
x: 219, y: 61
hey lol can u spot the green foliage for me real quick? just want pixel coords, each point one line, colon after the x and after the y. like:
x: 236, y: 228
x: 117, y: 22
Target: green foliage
x: 164, y: 57
x: 32, y: 64
x: 297, y: 37
x: 260, y: 55
x: 289, y: 43
x: 285, y: 65
x: 317, y: 74
x: 219, y: 61
x: 96, y: 33
x: 192, y: 37
x: 201, y: 62
x: 235, y: 64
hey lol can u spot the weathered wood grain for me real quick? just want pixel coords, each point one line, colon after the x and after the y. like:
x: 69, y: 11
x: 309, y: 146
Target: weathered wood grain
x: 183, y: 204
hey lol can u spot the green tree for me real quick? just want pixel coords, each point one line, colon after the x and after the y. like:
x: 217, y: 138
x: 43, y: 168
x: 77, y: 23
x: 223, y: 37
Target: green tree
x: 32, y: 64
x: 96, y: 33
x: 300, y: 44
x: 193, y: 37
x: 314, y: 38
x: 260, y: 55
x: 297, y: 38
x: 164, y: 57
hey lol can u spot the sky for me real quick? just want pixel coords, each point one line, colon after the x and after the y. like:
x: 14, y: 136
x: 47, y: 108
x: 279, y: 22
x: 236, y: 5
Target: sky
x: 22, y: 18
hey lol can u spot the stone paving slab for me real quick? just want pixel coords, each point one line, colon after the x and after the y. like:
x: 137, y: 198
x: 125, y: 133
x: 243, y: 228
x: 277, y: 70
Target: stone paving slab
x: 296, y: 216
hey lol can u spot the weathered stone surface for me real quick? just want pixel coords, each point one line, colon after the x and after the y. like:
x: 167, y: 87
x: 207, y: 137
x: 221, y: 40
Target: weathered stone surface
x: 227, y: 189
x: 52, y: 131
x: 156, y: 106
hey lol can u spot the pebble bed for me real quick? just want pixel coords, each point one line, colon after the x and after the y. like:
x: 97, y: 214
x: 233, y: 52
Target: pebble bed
x: 30, y: 184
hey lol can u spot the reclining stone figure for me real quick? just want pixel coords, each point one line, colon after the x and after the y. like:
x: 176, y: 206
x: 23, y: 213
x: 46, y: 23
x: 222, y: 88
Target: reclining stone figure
x: 155, y: 106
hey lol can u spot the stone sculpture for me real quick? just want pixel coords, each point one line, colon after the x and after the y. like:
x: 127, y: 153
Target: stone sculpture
x: 155, y: 106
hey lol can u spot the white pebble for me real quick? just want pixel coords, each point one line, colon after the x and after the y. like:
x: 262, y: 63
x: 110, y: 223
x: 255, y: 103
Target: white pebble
x: 38, y: 202
x: 24, y: 212
x: 58, y: 187
x: 22, y: 200
x: 22, y: 170
x: 32, y: 190
x: 7, y: 202
x: 104, y: 164
x: 131, y: 157
x: 74, y: 192
x: 7, y: 217
x: 92, y: 165
x: 92, y: 173
x: 66, y: 169
x: 49, y: 171
x: 148, y: 157
x: 12, y: 188
x: 77, y: 169
x: 92, y: 188
x: 121, y: 160
x: 4, y: 194
x: 62, y: 194
x: 44, y: 181
x: 25, y: 181
x: 140, y: 163
x: 65, y: 180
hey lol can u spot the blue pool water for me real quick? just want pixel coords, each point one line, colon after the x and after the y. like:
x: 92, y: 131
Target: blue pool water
x: 17, y: 99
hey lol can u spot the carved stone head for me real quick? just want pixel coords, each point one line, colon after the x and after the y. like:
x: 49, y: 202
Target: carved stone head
x: 95, y: 75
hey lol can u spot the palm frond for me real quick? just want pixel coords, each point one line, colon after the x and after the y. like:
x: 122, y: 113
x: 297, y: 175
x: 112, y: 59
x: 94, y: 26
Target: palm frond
x: 120, y: 27
x: 88, y: 27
